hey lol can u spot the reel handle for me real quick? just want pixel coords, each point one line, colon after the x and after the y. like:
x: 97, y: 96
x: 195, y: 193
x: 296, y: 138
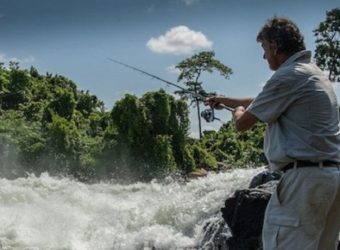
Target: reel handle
x: 226, y: 107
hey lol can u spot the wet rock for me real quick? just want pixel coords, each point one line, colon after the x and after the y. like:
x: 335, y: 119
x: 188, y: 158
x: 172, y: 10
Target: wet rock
x: 198, y: 173
x: 243, y: 215
x: 216, y: 235
x: 244, y: 212
x: 264, y: 177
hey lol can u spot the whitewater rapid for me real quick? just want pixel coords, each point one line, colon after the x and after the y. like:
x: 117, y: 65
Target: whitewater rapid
x: 48, y: 213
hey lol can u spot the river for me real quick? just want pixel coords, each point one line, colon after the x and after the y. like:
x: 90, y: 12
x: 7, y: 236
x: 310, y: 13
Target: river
x: 49, y: 213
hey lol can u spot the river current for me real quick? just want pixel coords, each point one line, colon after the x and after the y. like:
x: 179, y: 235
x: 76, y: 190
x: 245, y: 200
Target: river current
x: 49, y: 213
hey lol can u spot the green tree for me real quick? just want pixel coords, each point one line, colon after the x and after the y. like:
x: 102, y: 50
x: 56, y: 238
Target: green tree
x: 147, y: 136
x: 18, y: 87
x: 236, y: 149
x: 179, y: 129
x: 63, y: 104
x: 169, y: 118
x: 46, y: 124
x: 21, y: 144
x: 191, y: 70
x: 202, y: 157
x: 327, y: 52
x: 4, y: 82
x: 87, y: 103
x: 64, y: 144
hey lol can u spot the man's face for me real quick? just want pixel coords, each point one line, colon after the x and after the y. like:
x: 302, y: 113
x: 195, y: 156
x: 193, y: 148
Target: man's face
x: 270, y: 54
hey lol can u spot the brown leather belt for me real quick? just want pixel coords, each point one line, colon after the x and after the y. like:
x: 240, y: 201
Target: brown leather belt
x: 301, y: 164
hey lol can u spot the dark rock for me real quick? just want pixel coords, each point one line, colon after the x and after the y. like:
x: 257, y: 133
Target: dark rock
x: 243, y: 215
x: 252, y: 243
x: 216, y: 235
x: 241, y: 226
x: 264, y: 177
x: 244, y: 212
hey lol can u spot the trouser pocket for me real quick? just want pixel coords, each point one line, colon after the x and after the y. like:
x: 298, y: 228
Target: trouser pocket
x: 279, y: 223
x: 278, y: 229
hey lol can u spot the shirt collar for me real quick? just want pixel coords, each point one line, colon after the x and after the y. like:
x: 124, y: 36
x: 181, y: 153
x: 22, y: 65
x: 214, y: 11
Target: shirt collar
x: 303, y: 55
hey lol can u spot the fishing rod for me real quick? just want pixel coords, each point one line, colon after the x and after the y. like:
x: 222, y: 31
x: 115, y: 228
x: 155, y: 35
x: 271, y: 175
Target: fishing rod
x: 208, y: 114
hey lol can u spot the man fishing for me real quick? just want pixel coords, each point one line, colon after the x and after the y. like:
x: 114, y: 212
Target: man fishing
x: 302, y: 139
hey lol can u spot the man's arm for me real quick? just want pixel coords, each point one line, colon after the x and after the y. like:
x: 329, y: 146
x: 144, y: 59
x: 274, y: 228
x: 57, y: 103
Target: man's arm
x: 214, y: 101
x: 243, y: 119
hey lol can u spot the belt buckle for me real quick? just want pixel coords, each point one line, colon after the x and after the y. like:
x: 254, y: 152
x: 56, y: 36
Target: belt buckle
x: 295, y: 164
x: 320, y: 164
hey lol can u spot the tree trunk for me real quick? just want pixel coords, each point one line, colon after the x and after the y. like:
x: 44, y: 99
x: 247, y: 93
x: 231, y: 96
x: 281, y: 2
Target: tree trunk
x: 199, y: 118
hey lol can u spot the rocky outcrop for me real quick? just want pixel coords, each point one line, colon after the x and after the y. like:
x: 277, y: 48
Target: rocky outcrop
x: 244, y: 214
x: 242, y: 217
x: 263, y: 178
x: 240, y: 227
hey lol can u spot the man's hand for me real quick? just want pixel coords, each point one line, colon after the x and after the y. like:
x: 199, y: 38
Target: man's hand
x: 243, y: 119
x: 238, y: 112
x: 214, y: 102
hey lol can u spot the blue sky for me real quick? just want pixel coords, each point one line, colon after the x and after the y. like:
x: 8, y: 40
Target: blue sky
x: 74, y: 38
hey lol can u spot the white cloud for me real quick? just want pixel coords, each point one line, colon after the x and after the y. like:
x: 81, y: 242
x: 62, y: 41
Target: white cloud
x: 173, y: 70
x: 5, y: 59
x: 179, y: 40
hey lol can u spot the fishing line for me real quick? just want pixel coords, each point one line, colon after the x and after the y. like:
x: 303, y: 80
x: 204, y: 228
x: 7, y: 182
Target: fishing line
x: 207, y: 114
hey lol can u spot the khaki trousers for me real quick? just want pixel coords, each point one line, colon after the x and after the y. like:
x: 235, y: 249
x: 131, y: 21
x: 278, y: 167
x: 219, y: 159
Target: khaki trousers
x: 304, y: 211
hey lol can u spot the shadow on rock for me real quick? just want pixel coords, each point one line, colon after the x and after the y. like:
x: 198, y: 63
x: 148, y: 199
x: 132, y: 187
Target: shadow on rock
x: 240, y: 227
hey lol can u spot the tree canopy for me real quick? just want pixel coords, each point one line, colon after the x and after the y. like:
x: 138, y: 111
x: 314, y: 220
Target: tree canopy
x: 327, y: 52
x: 191, y: 70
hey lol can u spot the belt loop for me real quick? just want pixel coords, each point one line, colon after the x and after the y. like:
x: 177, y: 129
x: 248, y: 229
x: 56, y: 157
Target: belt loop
x: 320, y: 164
x: 295, y: 164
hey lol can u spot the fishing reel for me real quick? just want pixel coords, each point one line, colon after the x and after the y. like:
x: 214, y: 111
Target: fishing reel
x: 209, y: 115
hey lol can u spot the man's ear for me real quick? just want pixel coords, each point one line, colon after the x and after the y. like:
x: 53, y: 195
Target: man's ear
x: 274, y: 48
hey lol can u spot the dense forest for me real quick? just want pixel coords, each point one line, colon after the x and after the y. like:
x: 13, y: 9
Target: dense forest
x: 48, y: 124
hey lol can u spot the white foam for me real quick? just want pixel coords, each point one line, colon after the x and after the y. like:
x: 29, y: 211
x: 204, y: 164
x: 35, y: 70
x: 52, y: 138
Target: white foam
x: 44, y: 213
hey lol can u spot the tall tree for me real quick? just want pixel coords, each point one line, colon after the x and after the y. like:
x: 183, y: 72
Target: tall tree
x: 191, y: 70
x: 148, y: 135
x: 327, y: 52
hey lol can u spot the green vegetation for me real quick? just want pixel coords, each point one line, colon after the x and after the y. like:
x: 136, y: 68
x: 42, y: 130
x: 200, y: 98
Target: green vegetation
x: 327, y: 52
x: 47, y: 124
x: 236, y: 149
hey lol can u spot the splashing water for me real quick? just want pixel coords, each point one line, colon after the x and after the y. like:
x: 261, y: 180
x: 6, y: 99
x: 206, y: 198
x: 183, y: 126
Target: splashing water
x: 47, y: 213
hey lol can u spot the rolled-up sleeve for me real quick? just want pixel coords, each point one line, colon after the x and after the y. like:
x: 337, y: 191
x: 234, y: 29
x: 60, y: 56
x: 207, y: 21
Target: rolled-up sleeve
x: 275, y: 97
